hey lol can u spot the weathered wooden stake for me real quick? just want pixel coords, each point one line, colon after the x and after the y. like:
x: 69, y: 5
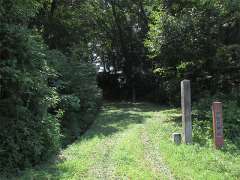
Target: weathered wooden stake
x: 217, y: 124
x: 186, y: 111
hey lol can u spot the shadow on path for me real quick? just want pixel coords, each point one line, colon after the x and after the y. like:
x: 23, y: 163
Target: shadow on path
x: 115, y: 118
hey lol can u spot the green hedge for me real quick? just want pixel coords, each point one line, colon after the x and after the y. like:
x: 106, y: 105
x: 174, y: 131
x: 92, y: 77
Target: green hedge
x: 47, y: 100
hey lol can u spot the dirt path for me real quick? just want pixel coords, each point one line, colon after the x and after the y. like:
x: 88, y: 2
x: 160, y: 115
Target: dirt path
x: 128, y: 153
x: 117, y: 146
x: 105, y: 164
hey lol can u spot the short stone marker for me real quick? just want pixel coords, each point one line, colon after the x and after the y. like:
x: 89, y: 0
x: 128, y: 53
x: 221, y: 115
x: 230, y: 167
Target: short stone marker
x: 176, y: 138
x: 186, y: 111
x: 217, y: 124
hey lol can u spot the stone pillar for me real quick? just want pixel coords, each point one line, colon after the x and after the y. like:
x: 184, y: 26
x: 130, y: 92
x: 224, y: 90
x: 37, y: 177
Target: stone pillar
x: 186, y: 111
x: 176, y: 138
x: 217, y: 124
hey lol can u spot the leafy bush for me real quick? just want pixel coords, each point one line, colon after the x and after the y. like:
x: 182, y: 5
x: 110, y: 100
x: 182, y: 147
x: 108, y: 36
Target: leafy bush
x: 80, y: 100
x: 80, y: 97
x: 28, y: 133
x: 43, y: 94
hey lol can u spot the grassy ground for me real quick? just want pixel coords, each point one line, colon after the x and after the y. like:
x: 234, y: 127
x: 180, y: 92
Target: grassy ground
x: 133, y: 142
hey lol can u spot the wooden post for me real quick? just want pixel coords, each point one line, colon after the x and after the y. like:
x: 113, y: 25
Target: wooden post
x: 186, y: 111
x: 217, y: 124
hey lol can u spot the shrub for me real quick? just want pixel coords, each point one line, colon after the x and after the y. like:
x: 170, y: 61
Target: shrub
x: 28, y: 133
x: 80, y: 97
x: 42, y: 93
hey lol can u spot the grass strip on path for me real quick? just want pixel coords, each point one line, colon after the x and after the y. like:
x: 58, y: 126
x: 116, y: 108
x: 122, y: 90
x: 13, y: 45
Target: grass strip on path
x: 154, y: 159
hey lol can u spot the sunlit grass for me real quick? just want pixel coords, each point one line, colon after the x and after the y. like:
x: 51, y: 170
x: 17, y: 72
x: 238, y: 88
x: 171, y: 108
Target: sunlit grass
x: 191, y: 161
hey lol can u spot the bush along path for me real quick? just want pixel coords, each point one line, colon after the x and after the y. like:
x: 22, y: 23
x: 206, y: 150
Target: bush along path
x: 133, y: 142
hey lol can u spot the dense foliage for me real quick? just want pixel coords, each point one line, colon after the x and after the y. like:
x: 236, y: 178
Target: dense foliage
x: 80, y: 98
x: 65, y: 28
x: 198, y: 40
x: 46, y: 91
x: 28, y: 132
x: 118, y: 32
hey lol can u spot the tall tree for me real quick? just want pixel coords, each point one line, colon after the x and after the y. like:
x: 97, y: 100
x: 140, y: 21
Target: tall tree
x: 188, y: 39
